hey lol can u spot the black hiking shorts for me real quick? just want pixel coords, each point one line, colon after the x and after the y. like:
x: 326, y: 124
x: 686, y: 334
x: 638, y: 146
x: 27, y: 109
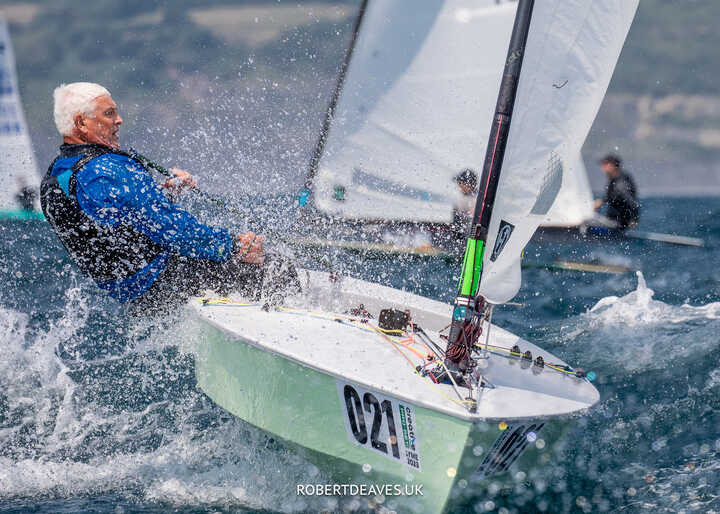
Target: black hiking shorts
x: 184, y: 278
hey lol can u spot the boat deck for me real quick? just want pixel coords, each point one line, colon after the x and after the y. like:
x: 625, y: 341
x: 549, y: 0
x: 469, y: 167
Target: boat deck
x: 323, y: 336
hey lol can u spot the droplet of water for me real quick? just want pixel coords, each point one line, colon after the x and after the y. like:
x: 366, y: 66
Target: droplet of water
x: 366, y: 468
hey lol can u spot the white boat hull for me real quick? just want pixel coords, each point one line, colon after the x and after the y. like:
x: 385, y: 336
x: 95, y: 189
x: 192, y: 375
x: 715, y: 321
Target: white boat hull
x: 348, y: 397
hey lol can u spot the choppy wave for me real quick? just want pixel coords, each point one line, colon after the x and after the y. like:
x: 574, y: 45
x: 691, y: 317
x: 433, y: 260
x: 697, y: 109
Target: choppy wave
x: 651, y: 445
x: 691, y: 486
x: 98, y: 411
x: 639, y: 308
x: 129, y: 423
x: 635, y: 332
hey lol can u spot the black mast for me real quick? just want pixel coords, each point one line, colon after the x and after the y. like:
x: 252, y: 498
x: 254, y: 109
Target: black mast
x: 465, y: 325
x: 320, y: 146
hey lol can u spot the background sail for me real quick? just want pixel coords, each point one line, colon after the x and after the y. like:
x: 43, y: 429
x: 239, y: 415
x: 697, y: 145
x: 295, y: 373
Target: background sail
x: 415, y: 109
x: 17, y: 160
x: 571, y: 52
x: 574, y: 203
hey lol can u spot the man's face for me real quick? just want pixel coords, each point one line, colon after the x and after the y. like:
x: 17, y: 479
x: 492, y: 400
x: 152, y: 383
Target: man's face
x: 610, y: 169
x: 103, y: 124
x: 466, y: 188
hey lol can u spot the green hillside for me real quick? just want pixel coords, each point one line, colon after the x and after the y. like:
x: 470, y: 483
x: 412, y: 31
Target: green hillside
x: 270, y: 66
x: 672, y: 48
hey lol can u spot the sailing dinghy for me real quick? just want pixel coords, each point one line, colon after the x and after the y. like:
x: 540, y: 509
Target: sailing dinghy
x: 404, y: 120
x: 19, y: 178
x: 385, y: 387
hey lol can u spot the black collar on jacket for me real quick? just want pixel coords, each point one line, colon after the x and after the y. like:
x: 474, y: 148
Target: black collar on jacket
x: 69, y: 150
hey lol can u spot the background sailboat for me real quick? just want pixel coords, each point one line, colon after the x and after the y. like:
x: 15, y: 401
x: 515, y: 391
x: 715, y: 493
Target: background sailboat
x: 406, y: 119
x: 19, y: 178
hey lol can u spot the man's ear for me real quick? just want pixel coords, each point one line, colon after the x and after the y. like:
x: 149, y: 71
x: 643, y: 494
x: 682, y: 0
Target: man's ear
x: 79, y: 122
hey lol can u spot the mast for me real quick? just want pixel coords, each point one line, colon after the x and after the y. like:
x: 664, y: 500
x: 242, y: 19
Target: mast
x: 304, y: 195
x: 465, y: 326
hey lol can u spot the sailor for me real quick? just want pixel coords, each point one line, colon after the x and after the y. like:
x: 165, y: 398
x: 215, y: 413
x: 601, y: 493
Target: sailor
x: 620, y: 195
x: 25, y: 196
x: 119, y: 225
x: 464, y: 209
x: 452, y: 237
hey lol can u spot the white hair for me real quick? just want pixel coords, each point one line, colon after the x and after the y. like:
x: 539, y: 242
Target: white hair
x: 72, y: 99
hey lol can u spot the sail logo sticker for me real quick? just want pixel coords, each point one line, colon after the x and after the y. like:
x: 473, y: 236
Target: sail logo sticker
x: 552, y: 182
x: 380, y: 424
x: 502, y: 238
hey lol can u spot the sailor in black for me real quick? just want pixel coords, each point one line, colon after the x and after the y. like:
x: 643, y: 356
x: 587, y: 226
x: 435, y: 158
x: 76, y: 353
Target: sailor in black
x: 620, y: 195
x: 26, y: 196
x: 467, y: 181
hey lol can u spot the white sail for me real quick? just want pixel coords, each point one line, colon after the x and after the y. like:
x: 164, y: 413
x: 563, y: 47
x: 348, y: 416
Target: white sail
x: 574, y: 203
x: 571, y: 52
x: 415, y: 109
x: 17, y: 160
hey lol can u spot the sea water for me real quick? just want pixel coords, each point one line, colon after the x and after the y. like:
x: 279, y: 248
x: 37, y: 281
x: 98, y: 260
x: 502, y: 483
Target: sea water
x: 99, y: 412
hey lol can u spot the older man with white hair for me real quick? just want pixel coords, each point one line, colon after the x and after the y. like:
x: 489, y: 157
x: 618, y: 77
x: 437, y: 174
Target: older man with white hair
x: 118, y: 225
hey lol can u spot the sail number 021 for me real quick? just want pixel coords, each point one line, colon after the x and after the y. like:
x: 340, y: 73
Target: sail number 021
x: 371, y: 421
x: 357, y: 420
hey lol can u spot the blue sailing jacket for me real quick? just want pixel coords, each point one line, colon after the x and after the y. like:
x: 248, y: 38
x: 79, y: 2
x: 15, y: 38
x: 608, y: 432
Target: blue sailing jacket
x: 117, y: 224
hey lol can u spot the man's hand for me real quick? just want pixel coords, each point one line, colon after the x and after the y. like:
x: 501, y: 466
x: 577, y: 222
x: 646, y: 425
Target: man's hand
x: 598, y: 203
x: 181, y: 180
x: 250, y: 248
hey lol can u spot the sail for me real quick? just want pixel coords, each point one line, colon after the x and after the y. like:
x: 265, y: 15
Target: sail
x: 570, y: 55
x: 17, y: 160
x: 574, y: 203
x: 415, y: 109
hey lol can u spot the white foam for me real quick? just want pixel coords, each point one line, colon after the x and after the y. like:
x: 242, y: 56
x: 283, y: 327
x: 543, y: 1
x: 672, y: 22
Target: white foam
x: 689, y: 486
x: 636, y: 332
x: 639, y: 308
x: 58, y: 443
x: 221, y: 467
